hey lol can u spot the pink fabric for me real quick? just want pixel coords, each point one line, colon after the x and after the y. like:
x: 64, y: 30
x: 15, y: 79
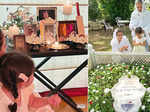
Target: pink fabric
x: 28, y: 101
x: 37, y: 102
x: 69, y: 29
x: 54, y: 100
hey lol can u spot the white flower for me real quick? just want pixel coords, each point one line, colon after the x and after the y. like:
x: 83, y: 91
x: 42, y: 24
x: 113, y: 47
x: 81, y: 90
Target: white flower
x: 129, y: 72
x: 126, y: 70
x: 94, y: 90
x: 143, y: 107
x: 106, y: 90
x: 90, y: 83
x: 98, y: 66
x: 103, y: 78
x: 104, y: 102
x: 145, y: 84
x: 102, y: 68
x: 108, y: 65
x: 93, y: 73
x: 92, y: 110
x: 95, y: 84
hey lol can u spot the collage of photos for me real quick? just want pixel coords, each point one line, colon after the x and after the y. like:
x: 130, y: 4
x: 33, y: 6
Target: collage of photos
x: 75, y: 56
x: 119, y: 56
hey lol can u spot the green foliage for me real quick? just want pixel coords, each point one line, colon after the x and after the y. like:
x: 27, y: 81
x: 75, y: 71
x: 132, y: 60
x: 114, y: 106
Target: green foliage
x: 94, y: 12
x: 110, y: 9
x: 106, y: 76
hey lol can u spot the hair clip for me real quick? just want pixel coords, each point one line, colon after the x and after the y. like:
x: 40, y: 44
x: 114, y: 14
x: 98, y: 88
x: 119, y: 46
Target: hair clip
x: 23, y: 77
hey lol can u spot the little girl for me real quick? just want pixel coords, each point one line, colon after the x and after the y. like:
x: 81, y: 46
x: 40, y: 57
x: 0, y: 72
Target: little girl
x: 139, y: 41
x: 120, y: 42
x: 16, y: 86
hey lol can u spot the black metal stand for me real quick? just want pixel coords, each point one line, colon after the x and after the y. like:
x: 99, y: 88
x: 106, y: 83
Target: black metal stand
x: 57, y: 89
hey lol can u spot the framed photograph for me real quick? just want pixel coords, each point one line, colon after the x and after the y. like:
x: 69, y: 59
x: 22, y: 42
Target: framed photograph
x: 49, y: 30
x: 19, y: 43
x: 52, y: 12
x: 65, y: 28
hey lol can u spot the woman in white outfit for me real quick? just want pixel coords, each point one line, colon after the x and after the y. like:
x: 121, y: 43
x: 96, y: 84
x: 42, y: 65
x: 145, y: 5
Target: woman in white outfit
x: 120, y: 43
x: 140, y: 17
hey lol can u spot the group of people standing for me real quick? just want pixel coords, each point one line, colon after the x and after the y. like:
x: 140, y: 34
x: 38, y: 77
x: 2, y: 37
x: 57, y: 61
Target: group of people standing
x: 140, y: 31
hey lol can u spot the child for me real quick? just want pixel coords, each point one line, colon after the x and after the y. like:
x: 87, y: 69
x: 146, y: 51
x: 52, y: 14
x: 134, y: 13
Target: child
x: 16, y: 88
x: 139, y: 41
x: 120, y: 43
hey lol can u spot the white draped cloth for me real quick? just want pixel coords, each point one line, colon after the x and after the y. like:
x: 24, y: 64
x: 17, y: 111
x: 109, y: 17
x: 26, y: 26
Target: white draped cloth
x: 140, y: 19
x: 116, y: 45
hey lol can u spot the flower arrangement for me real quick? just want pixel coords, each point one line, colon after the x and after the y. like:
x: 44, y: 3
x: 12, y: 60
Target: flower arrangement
x: 104, y: 77
x: 18, y: 18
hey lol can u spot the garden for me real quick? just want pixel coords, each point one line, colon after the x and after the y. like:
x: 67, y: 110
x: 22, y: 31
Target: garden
x: 108, y: 11
x: 104, y: 77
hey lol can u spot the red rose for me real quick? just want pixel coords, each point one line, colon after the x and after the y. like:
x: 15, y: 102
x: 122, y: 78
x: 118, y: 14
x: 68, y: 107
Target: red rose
x: 111, y: 69
x: 91, y: 102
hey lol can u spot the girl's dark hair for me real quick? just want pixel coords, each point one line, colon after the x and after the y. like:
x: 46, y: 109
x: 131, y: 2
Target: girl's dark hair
x: 118, y: 31
x: 139, y: 1
x: 139, y: 30
x: 11, y: 65
x: 1, y: 38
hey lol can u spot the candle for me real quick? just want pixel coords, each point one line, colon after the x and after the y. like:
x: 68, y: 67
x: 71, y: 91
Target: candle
x: 41, y: 31
x: 67, y: 10
x: 56, y: 43
x: 57, y: 35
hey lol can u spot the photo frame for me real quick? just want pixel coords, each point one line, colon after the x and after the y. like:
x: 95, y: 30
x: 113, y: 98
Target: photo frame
x: 19, y: 43
x: 52, y: 12
x: 63, y: 30
x: 49, y: 29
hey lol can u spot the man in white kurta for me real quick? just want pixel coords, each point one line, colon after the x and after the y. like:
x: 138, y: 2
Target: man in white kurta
x: 140, y: 17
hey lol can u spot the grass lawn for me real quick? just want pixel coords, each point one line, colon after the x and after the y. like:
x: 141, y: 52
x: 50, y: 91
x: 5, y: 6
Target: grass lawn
x: 101, y: 39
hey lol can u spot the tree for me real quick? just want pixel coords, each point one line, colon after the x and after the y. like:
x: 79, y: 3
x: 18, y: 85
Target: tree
x: 110, y: 9
x: 94, y: 12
